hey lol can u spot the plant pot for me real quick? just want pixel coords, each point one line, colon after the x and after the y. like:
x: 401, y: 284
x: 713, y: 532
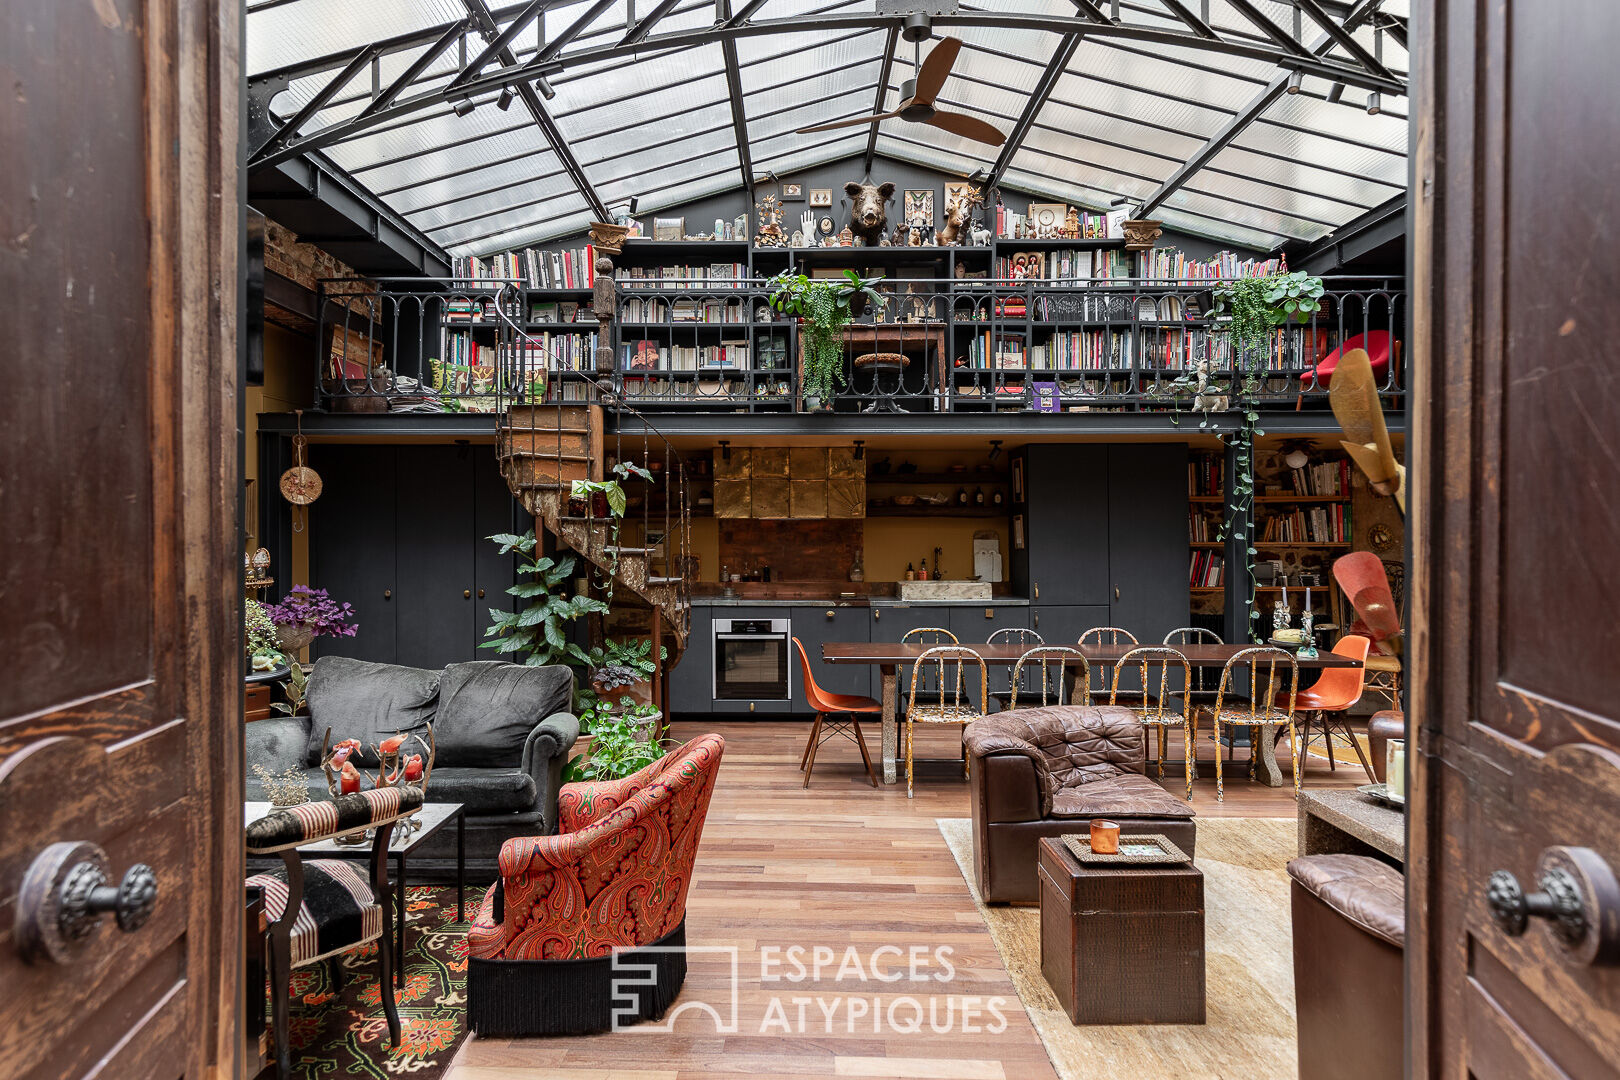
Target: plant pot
x: 857, y: 305
x: 294, y: 638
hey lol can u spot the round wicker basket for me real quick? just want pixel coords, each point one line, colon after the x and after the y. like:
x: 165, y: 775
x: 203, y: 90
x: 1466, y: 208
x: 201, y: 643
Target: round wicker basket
x: 887, y: 360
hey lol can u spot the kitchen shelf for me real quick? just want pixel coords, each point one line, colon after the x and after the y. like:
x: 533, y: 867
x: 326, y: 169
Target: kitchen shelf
x: 936, y: 511
x: 936, y: 478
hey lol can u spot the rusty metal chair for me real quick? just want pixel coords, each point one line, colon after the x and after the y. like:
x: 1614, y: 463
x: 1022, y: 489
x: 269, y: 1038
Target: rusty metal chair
x: 948, y: 707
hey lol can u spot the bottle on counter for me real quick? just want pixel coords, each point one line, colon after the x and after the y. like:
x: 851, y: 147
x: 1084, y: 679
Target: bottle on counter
x: 922, y: 574
x: 858, y: 571
x: 911, y: 572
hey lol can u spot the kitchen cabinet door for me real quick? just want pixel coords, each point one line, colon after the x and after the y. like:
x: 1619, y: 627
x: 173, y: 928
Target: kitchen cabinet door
x: 814, y: 627
x: 1066, y: 524
x: 691, y: 681
x: 351, y: 546
x: 1147, y: 545
x: 434, y: 597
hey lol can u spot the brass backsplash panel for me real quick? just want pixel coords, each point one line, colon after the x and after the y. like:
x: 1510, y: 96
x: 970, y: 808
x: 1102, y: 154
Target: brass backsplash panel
x: 799, y: 483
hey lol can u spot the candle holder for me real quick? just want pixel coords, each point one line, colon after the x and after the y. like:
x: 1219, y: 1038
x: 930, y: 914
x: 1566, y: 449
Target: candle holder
x: 1104, y: 836
x: 1281, y: 617
x: 1307, y: 624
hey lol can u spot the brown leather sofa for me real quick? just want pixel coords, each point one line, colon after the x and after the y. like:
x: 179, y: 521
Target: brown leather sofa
x: 1349, y: 922
x: 1048, y: 771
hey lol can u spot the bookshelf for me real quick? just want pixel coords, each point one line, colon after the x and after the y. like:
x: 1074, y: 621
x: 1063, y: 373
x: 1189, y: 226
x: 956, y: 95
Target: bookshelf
x: 1206, y: 511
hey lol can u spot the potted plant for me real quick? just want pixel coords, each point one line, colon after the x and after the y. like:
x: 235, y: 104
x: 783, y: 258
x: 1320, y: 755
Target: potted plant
x: 306, y: 614
x: 824, y: 306
x: 1258, y: 306
x: 616, y: 741
x: 624, y: 665
x: 539, y: 632
x: 259, y: 641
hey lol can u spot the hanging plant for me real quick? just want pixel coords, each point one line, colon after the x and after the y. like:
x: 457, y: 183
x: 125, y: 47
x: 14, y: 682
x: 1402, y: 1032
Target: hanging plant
x: 825, y: 308
x: 1257, y: 306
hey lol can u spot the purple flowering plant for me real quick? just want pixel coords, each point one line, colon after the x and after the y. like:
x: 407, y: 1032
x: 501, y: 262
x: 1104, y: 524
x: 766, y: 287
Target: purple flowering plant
x: 312, y: 609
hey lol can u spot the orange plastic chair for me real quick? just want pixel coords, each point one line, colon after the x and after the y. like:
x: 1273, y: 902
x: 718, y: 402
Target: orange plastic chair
x: 828, y: 705
x: 1336, y: 691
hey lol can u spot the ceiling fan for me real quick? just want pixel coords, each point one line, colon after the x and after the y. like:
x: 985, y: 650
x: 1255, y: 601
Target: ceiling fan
x: 917, y: 95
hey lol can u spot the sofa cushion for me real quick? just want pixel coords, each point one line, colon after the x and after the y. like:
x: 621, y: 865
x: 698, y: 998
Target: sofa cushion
x: 361, y: 700
x: 1123, y: 796
x: 483, y: 791
x: 487, y: 709
x: 1069, y: 745
x: 1366, y: 891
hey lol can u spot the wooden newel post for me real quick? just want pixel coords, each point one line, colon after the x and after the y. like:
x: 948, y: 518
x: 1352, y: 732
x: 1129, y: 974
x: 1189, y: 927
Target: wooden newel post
x: 607, y: 240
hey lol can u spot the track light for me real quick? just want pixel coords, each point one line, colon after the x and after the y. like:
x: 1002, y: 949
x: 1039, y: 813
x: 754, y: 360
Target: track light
x: 1375, y: 104
x: 547, y: 91
x: 725, y: 449
x: 995, y: 449
x: 505, y: 100
x: 860, y: 450
x: 1294, y: 80
x: 1335, y: 92
x: 464, y: 106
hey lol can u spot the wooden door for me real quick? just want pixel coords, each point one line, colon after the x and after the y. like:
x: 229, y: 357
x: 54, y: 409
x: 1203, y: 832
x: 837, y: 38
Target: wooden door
x: 120, y: 704
x: 1515, y: 497
x: 435, y: 597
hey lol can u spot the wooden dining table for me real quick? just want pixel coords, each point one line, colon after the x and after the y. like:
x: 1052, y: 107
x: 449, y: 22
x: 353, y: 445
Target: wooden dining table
x: 890, y: 657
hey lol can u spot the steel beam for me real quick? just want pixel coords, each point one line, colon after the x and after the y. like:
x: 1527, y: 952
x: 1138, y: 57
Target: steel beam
x: 1037, y: 100
x: 418, y: 66
x: 498, y: 45
x: 640, y: 31
x: 739, y: 115
x: 891, y: 43
x: 317, y: 101
x: 1194, y: 23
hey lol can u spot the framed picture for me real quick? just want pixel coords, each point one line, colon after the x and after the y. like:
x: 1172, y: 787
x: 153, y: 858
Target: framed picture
x: 1018, y: 479
x: 821, y: 196
x: 919, y: 206
x: 960, y: 190
x: 1048, y: 216
x: 669, y: 228
x: 1018, y: 532
x: 826, y: 226
x: 793, y: 193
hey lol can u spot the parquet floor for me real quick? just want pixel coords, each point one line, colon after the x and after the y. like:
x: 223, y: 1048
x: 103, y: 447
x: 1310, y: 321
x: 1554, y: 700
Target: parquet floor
x: 846, y: 870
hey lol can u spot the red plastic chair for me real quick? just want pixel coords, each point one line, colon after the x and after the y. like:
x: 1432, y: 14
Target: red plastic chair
x: 1336, y: 691
x: 828, y: 705
x: 1377, y: 344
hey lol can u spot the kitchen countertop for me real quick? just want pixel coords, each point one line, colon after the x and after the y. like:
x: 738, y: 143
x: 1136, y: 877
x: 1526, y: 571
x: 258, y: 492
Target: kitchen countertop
x: 855, y: 601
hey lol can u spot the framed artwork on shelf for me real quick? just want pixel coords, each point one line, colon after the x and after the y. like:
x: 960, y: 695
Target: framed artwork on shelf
x: 821, y: 196
x: 919, y: 206
x: 1018, y: 532
x: 1048, y: 218
x: 669, y: 228
x: 792, y: 193
x: 959, y: 190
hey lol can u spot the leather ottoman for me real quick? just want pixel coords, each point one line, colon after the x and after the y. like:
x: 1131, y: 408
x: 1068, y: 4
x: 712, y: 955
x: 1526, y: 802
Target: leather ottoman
x: 1125, y: 944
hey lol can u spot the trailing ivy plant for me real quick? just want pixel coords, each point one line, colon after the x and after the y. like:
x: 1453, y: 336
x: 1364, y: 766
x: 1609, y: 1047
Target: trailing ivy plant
x: 539, y: 632
x: 826, y: 306
x: 1257, y: 306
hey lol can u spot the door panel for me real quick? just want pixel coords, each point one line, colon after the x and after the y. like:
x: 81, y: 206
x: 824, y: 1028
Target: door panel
x: 814, y: 627
x: 120, y: 709
x: 1067, y: 523
x: 435, y: 598
x: 352, y: 531
x: 1147, y: 538
x: 691, y: 680
x: 1512, y: 484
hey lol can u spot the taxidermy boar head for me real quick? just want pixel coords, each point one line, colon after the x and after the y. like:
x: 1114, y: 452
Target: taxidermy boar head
x: 868, y: 210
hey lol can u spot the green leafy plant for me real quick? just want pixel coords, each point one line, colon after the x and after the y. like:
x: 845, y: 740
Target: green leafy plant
x: 623, y: 742
x: 293, y: 688
x: 1259, y: 305
x: 633, y: 655
x: 612, y: 492
x: 826, y: 306
x: 539, y: 632
x: 260, y: 643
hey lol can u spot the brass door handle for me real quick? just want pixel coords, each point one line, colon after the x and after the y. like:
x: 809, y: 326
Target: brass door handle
x: 388, y: 594
x: 1116, y: 592
x: 466, y: 594
x: 480, y: 594
x: 1577, y: 895
x: 829, y: 614
x: 64, y: 895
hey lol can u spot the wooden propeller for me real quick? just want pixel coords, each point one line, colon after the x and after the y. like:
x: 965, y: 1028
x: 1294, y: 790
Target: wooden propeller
x: 1354, y: 397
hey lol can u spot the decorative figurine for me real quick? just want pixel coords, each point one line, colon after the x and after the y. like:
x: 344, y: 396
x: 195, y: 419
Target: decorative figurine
x: 770, y: 223
x: 958, y: 217
x: 1307, y: 624
x: 1281, y: 617
x: 981, y: 236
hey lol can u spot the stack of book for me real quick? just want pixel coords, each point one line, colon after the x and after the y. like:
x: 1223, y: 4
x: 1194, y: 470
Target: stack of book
x: 1084, y: 350
x: 1324, y: 478
x: 681, y: 276
x: 1317, y: 525
x: 571, y: 268
x: 1206, y: 475
x: 1171, y: 264
x: 1208, y: 570
x: 648, y: 355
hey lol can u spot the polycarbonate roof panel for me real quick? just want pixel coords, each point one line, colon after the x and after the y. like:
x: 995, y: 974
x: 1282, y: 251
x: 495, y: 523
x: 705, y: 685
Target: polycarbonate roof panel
x: 657, y: 123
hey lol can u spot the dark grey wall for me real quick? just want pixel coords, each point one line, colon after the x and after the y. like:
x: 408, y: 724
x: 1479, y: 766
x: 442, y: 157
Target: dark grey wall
x: 701, y: 213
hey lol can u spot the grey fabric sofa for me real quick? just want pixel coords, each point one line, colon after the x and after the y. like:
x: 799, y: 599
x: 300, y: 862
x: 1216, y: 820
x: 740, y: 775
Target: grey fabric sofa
x: 503, y: 733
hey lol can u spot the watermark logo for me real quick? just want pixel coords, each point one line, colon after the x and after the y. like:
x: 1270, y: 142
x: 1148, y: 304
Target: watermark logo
x: 816, y: 990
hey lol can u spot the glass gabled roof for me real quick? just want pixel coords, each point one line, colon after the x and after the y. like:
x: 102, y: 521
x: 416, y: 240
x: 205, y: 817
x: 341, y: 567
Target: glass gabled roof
x: 669, y: 101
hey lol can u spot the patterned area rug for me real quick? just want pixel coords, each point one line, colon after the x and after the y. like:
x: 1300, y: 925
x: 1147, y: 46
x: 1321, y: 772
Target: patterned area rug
x: 344, y: 1033
x: 1248, y: 968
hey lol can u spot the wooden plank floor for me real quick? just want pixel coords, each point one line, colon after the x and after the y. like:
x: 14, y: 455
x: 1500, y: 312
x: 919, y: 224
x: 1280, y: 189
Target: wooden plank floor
x: 839, y: 866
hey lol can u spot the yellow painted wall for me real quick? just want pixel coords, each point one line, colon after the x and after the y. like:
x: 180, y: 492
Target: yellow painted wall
x: 892, y: 542
x: 287, y: 386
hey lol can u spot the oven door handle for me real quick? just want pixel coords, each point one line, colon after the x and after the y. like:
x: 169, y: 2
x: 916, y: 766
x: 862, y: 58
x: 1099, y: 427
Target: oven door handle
x: 750, y: 637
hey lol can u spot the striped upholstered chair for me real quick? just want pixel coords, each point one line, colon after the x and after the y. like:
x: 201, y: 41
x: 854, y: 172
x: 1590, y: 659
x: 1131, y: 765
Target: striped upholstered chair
x: 587, y: 928
x: 323, y: 907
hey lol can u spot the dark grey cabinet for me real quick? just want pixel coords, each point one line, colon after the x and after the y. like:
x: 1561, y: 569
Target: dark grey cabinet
x: 1065, y: 558
x: 1147, y: 539
x: 400, y: 533
x: 977, y: 622
x: 691, y: 681
x: 815, y: 627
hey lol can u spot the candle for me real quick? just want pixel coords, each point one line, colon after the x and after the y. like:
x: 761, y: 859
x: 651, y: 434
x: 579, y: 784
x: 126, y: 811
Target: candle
x: 1395, y: 768
x: 1307, y: 598
x: 1285, y: 593
x: 413, y: 767
x: 1104, y: 837
x: 349, y: 779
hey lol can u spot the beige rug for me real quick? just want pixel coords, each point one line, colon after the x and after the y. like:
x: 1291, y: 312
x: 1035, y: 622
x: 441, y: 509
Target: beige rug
x: 1248, y: 973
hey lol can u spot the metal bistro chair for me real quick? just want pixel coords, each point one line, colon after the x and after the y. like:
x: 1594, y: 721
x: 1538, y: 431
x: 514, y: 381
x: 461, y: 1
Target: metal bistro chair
x: 828, y: 706
x: 1200, y: 692
x: 929, y: 636
x: 1012, y: 635
x: 1054, y: 662
x: 1106, y: 635
x: 1262, y: 706
x: 950, y: 707
x: 1150, y: 708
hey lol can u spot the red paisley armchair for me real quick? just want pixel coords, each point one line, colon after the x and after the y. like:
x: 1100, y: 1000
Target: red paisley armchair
x: 586, y: 929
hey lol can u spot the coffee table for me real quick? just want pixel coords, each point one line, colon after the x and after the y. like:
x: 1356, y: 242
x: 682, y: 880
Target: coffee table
x: 433, y: 816
x: 1122, y: 944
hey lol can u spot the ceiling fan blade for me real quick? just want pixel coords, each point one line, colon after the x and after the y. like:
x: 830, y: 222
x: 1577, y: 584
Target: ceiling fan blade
x: 853, y: 121
x: 936, y: 69
x: 969, y: 127
x: 1354, y: 397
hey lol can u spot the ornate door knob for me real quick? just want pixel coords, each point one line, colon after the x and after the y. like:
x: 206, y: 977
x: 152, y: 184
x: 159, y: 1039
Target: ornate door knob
x: 65, y: 894
x: 1576, y: 893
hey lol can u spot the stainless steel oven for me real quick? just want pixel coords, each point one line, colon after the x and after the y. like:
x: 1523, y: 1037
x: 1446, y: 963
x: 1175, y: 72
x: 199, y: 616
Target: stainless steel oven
x: 751, y: 660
